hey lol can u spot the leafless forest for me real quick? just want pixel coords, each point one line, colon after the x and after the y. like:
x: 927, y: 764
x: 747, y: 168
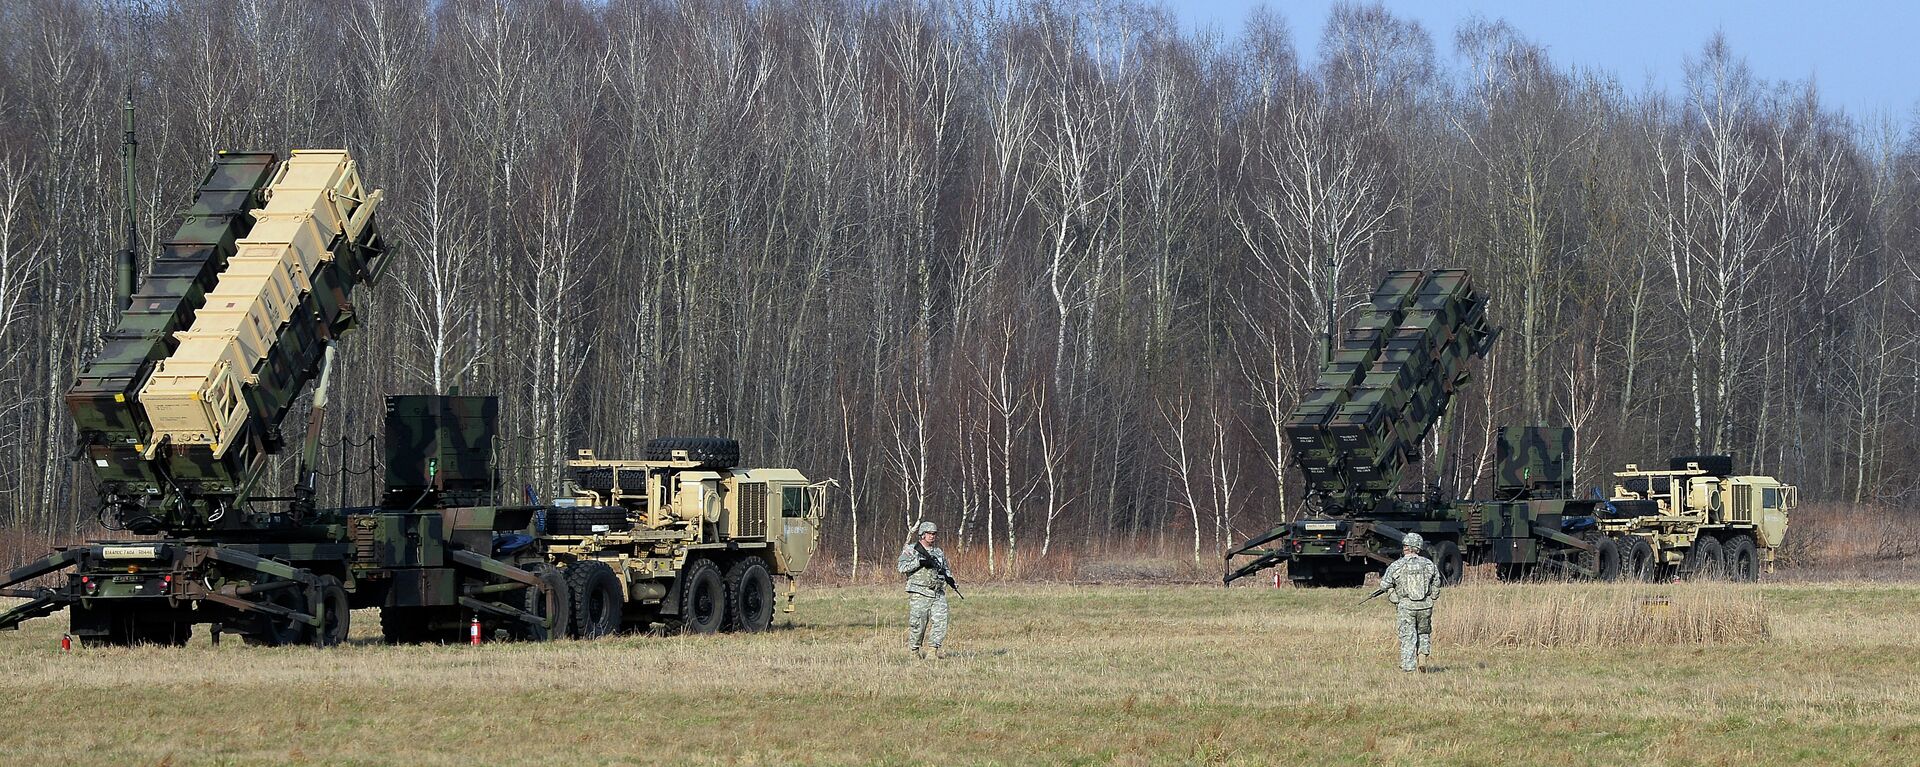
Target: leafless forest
x: 1039, y: 271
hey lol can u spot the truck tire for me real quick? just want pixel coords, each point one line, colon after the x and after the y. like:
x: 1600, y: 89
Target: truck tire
x: 1636, y: 559
x: 582, y: 521
x: 1739, y: 559
x: 553, y: 602
x: 269, y: 631
x: 1446, y: 556
x: 1703, y: 560
x: 703, y: 598
x: 339, y: 619
x: 749, y: 596
x: 1716, y: 465
x: 597, y: 599
x: 414, y: 625
x: 709, y: 452
x: 1604, y: 560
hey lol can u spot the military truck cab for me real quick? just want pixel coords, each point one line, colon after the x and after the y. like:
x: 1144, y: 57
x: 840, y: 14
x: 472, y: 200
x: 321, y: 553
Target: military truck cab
x: 683, y: 538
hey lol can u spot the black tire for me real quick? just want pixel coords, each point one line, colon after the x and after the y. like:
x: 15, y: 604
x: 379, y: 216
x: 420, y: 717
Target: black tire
x: 403, y: 625
x: 1636, y: 560
x: 338, y: 621
x: 703, y: 598
x: 167, y: 633
x: 1703, y: 560
x: 1446, y: 556
x: 709, y: 452
x: 565, y: 521
x: 597, y: 599
x: 1604, y: 560
x: 749, y: 596
x: 554, y: 602
x: 1629, y: 508
x: 1716, y: 465
x: 415, y: 625
x: 269, y: 631
x: 1739, y: 559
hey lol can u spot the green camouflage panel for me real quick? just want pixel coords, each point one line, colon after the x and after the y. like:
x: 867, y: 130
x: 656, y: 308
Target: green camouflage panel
x: 1534, y: 462
x: 439, y: 450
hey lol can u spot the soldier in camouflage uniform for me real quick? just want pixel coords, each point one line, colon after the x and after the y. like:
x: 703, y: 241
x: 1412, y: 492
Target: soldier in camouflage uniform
x: 1412, y: 582
x: 926, y: 592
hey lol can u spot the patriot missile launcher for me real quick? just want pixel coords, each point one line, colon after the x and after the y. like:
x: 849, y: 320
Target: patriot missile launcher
x: 179, y: 416
x: 1387, y: 383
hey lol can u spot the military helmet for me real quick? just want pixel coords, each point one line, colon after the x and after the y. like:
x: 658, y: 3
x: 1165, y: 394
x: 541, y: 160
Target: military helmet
x: 925, y: 527
x: 1413, y: 541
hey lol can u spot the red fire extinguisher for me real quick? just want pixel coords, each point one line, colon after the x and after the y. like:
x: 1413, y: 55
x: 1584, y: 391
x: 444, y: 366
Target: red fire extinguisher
x: 66, y: 643
x: 473, y: 632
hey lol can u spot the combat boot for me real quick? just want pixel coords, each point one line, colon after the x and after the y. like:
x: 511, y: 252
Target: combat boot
x: 939, y: 654
x: 917, y: 653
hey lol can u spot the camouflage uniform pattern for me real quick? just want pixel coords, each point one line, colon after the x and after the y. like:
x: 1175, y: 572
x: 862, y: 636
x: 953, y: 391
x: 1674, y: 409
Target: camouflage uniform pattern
x: 926, y: 598
x: 1413, y: 584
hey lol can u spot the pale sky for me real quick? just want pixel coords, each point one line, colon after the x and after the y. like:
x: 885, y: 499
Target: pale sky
x: 1861, y: 53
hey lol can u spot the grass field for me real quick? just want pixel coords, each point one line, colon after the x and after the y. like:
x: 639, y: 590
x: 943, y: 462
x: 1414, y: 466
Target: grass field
x: 1044, y: 674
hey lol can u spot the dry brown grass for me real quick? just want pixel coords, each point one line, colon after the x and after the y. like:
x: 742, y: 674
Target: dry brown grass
x: 1592, y: 615
x: 1053, y: 674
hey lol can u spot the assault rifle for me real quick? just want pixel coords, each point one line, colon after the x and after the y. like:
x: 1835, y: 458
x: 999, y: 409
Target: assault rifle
x: 1377, y: 592
x: 928, y: 560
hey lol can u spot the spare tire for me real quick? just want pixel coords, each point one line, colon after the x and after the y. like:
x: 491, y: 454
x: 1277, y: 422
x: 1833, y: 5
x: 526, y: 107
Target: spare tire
x: 709, y: 452
x: 1716, y: 465
x: 562, y: 520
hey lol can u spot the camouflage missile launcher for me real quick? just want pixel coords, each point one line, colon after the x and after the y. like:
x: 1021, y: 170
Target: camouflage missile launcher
x: 684, y: 538
x: 437, y: 557
x: 1354, y: 434
x: 181, y: 410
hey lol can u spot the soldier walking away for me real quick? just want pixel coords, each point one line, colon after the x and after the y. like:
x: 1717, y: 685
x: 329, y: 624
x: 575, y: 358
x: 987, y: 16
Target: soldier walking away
x: 925, y: 566
x: 1412, y: 583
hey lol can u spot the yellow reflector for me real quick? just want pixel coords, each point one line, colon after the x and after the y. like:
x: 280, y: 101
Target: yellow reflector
x: 119, y: 398
x: 133, y: 568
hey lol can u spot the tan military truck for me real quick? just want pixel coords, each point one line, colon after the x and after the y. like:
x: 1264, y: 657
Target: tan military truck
x: 1697, y: 519
x: 683, y: 538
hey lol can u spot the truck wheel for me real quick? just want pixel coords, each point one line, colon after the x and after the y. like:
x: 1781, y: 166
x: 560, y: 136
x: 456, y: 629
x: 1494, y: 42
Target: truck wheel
x: 709, y: 452
x: 703, y: 598
x: 749, y: 595
x: 1704, y: 559
x: 335, y: 626
x: 1636, y: 559
x: 1605, y: 559
x: 415, y: 625
x: 1446, y: 555
x: 1739, y: 560
x: 553, y: 603
x: 597, y: 599
x: 272, y: 631
x: 1511, y: 571
x: 168, y: 633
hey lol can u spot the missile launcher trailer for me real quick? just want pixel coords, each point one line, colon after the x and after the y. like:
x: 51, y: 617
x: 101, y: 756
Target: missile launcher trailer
x: 683, y: 538
x: 180, y: 412
x: 1391, y: 377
